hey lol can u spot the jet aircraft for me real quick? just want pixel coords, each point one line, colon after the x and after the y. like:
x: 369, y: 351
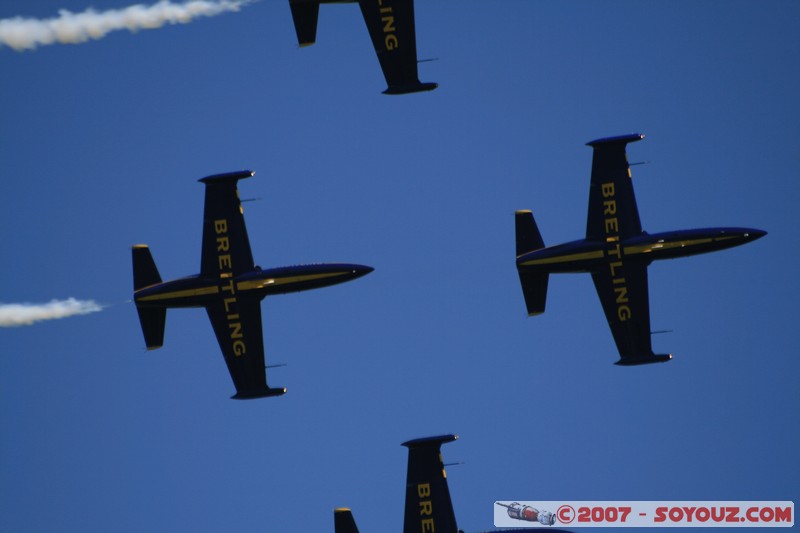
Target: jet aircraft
x: 230, y: 287
x: 616, y: 252
x: 391, y: 28
x: 428, y: 503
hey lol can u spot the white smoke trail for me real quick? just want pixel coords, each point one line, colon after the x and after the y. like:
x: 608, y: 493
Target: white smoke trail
x: 27, y: 33
x: 14, y: 315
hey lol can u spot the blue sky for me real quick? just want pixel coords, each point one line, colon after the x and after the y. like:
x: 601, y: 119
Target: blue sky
x: 101, y: 147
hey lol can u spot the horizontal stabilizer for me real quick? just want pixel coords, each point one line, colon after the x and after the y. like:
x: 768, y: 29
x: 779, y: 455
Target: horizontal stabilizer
x: 145, y: 272
x: 305, y: 15
x: 152, y: 320
x: 534, y: 288
x: 528, y: 236
x: 645, y: 359
x: 343, y: 521
x: 259, y: 393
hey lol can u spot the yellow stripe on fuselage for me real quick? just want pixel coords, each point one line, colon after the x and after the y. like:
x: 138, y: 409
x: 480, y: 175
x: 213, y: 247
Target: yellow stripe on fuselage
x: 656, y: 246
x: 188, y: 293
x: 597, y: 254
x: 261, y: 283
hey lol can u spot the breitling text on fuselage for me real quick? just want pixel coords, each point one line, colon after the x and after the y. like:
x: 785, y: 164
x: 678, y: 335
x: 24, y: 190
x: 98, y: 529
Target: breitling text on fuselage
x: 228, y: 289
x: 614, y: 251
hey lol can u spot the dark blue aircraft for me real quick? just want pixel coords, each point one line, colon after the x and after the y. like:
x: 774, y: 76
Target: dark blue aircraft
x: 391, y: 28
x: 230, y: 287
x: 616, y: 252
x: 429, y: 507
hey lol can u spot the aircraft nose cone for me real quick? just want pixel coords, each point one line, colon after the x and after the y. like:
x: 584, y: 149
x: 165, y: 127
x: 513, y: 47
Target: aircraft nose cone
x: 361, y: 270
x: 756, y: 234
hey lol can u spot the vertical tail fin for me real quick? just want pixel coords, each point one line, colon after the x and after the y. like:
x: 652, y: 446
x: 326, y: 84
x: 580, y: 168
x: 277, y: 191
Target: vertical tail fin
x: 534, y: 284
x: 152, y: 319
x: 343, y: 521
x: 428, y: 503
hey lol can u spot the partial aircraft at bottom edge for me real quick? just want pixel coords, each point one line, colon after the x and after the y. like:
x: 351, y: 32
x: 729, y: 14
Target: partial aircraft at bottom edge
x: 230, y: 287
x: 428, y: 507
x: 615, y: 251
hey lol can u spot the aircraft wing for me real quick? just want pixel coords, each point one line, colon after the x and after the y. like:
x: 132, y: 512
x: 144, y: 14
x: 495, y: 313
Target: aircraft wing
x: 626, y: 303
x: 226, y: 247
x: 426, y: 487
x: 237, y: 325
x: 391, y: 28
x: 612, y: 204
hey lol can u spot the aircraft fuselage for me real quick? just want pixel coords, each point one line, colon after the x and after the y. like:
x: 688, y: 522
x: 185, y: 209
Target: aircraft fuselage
x: 197, y: 291
x: 590, y: 255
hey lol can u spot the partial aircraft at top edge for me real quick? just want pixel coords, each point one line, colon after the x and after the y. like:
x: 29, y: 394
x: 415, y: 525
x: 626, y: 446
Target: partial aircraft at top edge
x: 391, y: 28
x: 230, y: 287
x: 615, y: 251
